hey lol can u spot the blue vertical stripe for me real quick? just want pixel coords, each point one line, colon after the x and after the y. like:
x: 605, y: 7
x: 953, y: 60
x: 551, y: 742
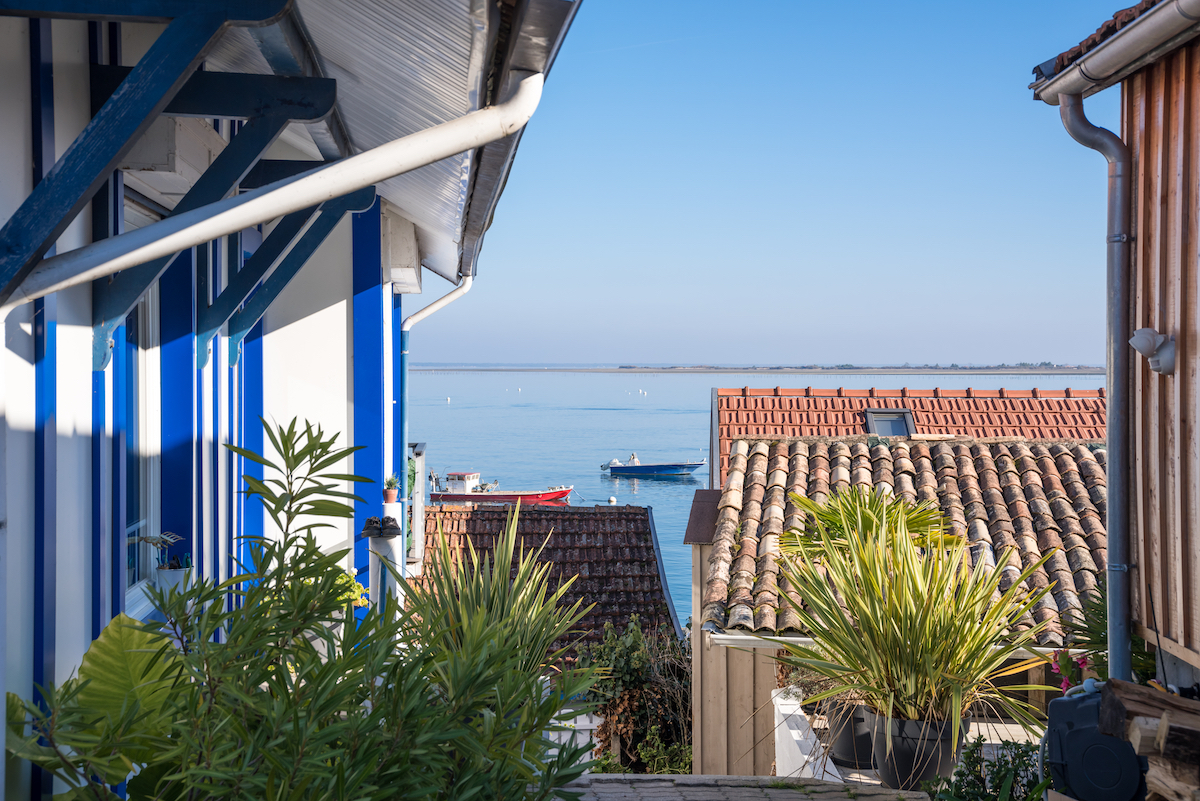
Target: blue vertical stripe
x: 179, y: 394
x: 120, y: 469
x: 216, y: 368
x: 252, y: 406
x: 368, y: 368
x: 45, y: 481
x: 399, y: 446
x: 100, y: 562
x: 45, y: 523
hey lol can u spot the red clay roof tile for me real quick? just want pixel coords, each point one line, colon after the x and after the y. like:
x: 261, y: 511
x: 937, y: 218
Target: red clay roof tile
x: 782, y: 413
x: 1026, y: 499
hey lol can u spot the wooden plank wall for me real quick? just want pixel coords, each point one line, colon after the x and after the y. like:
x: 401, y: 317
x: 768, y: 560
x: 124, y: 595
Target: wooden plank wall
x: 1160, y: 118
x: 732, y: 716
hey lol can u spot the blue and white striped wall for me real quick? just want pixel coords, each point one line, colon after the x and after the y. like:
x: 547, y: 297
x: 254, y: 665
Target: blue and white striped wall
x: 321, y: 353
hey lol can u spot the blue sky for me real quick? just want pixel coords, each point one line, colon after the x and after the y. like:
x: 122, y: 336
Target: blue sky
x: 793, y: 183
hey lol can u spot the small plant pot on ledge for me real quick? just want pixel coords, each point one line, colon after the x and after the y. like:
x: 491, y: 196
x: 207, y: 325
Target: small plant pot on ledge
x: 850, y: 741
x: 921, y: 749
x: 173, y: 577
x: 389, y: 495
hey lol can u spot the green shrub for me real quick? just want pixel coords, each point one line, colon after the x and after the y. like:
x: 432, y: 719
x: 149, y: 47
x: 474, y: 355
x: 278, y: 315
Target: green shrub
x: 1011, y: 776
x: 1088, y: 632
x: 255, y: 689
x: 644, y: 694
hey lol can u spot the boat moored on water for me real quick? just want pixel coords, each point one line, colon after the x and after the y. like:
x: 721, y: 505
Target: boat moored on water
x: 466, y: 488
x: 634, y: 467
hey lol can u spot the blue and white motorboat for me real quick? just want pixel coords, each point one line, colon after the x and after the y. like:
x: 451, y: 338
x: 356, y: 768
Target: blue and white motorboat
x: 634, y: 467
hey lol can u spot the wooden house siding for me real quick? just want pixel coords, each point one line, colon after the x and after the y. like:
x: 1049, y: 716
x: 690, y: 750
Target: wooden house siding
x: 733, y: 720
x: 1160, y: 118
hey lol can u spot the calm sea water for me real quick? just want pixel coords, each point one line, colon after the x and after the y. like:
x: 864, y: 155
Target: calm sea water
x: 534, y: 430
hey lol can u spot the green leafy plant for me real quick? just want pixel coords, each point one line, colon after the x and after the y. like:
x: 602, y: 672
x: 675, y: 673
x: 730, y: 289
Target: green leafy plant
x: 350, y: 591
x: 1012, y: 775
x: 905, y: 624
x: 392, y: 482
x: 643, y: 692
x: 256, y: 689
x: 160, y: 542
x: 1088, y: 631
x: 661, y: 758
x: 607, y: 762
x: 853, y: 512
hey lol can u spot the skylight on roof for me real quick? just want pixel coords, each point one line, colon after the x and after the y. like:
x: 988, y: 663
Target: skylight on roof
x: 890, y: 422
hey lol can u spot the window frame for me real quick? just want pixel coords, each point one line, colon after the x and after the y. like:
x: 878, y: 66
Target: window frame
x: 905, y: 414
x: 149, y: 444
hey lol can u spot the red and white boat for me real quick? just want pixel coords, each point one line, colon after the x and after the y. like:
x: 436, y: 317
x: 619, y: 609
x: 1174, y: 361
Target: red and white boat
x: 465, y: 488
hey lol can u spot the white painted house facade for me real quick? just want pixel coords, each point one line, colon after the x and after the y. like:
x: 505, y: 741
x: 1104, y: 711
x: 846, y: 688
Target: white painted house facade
x: 119, y: 388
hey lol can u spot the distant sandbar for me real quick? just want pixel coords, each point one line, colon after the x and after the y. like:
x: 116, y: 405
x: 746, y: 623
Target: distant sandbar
x: 810, y: 370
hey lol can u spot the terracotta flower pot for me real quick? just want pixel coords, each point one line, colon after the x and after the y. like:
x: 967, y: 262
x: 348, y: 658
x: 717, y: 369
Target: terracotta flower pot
x: 921, y: 749
x: 389, y: 495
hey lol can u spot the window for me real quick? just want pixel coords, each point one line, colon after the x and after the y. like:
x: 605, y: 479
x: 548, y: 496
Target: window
x: 141, y: 419
x: 890, y: 422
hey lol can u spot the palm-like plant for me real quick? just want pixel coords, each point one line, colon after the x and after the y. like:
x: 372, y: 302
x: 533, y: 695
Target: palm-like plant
x: 488, y: 626
x: 903, y: 621
x: 859, y: 512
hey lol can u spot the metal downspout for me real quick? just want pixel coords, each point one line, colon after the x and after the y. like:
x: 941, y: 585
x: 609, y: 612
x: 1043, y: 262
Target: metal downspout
x: 409, y: 322
x: 1118, y: 331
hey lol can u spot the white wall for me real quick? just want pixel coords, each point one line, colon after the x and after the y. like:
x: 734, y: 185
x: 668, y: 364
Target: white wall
x: 16, y: 374
x: 72, y: 111
x: 307, y: 340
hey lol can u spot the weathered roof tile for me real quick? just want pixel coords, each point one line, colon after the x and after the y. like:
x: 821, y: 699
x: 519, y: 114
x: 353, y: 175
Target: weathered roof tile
x: 612, y: 550
x: 1015, y: 502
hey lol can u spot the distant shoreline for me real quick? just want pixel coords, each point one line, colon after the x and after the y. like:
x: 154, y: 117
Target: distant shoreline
x: 999, y: 370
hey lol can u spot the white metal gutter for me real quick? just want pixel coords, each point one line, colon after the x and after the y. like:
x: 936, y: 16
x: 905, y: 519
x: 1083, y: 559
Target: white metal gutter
x: 752, y: 642
x: 1151, y: 36
x: 439, y: 304
x: 182, y: 231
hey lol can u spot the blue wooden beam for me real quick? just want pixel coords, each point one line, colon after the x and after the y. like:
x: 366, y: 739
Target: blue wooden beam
x: 268, y: 171
x: 114, y: 296
x: 86, y: 165
x: 210, y: 317
x: 238, y: 12
x: 231, y: 95
x: 330, y: 214
x: 275, y: 103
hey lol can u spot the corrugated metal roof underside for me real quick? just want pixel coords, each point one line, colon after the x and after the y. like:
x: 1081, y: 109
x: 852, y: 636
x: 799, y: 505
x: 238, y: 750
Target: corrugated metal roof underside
x: 400, y: 68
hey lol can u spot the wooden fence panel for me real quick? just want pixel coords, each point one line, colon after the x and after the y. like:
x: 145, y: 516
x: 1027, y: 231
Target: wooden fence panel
x: 1161, y: 124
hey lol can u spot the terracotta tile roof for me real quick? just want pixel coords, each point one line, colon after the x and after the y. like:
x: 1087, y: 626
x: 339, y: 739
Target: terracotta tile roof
x: 1065, y: 414
x: 1105, y: 32
x: 613, y: 549
x: 1033, y: 497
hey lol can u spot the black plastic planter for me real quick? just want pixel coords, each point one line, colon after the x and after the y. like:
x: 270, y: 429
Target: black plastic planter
x: 921, y: 750
x: 850, y: 740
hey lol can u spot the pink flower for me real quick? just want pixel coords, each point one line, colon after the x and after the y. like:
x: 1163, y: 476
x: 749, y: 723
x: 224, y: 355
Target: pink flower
x: 1082, y: 662
x: 1054, y: 668
x: 1066, y: 684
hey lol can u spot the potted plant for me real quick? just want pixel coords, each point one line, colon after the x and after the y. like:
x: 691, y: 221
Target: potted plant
x: 851, y: 734
x: 170, y: 572
x: 391, y: 488
x: 905, y: 624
